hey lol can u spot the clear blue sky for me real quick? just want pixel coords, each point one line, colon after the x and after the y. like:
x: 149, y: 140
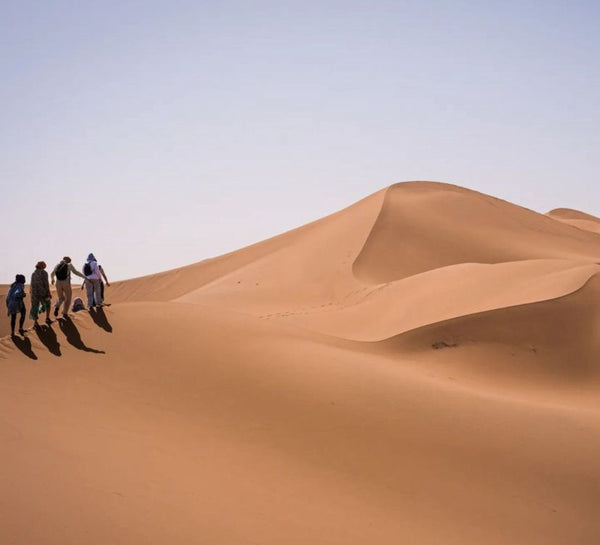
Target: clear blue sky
x: 157, y: 134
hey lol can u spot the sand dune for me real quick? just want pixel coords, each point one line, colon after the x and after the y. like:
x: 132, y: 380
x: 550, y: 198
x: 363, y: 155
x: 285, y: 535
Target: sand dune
x: 570, y: 214
x: 421, y: 367
x: 583, y: 221
x: 425, y: 225
x: 555, y: 341
x: 449, y: 292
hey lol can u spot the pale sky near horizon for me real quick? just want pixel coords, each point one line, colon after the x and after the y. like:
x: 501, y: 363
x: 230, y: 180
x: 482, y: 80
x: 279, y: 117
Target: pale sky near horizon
x: 157, y: 134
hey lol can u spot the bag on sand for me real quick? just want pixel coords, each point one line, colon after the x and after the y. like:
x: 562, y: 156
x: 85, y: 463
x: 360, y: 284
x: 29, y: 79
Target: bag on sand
x: 78, y: 304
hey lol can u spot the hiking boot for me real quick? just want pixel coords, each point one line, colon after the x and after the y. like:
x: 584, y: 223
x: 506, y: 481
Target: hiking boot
x: 55, y: 312
x: 48, y: 321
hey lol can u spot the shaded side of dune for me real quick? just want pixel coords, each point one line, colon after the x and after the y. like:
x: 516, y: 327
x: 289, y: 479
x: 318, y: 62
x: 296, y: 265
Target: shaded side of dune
x: 550, y: 341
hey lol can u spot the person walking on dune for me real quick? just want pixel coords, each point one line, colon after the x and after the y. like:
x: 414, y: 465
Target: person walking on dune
x: 40, y: 293
x: 16, y: 305
x: 93, y: 281
x: 64, y: 292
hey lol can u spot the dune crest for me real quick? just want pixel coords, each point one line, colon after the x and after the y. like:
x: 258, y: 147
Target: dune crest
x: 578, y: 219
x: 424, y: 225
x: 449, y: 292
x: 569, y: 213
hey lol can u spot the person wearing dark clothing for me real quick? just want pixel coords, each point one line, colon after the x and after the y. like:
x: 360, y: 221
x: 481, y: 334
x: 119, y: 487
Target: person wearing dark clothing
x: 40, y: 293
x: 15, y: 304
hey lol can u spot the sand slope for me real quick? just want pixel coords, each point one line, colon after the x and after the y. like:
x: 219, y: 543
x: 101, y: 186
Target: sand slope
x: 421, y: 367
x: 425, y: 225
x: 578, y: 219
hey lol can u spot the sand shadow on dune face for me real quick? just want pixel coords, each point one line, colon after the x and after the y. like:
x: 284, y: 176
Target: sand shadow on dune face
x: 100, y: 319
x: 48, y: 338
x: 552, y: 340
x: 70, y: 331
x: 24, y: 345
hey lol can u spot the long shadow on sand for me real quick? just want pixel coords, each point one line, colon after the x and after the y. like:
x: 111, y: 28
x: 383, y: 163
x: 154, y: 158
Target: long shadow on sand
x: 100, y: 319
x: 70, y: 331
x: 47, y: 336
x: 24, y: 345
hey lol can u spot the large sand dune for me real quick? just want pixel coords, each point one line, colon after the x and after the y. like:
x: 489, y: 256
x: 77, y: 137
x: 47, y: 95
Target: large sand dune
x: 422, y: 367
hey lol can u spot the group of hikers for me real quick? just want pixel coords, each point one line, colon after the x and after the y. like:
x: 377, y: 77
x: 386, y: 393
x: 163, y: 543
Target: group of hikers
x: 41, y: 298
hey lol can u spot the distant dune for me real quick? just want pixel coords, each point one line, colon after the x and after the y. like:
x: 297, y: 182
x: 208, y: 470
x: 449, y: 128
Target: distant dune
x: 422, y: 367
x: 578, y: 219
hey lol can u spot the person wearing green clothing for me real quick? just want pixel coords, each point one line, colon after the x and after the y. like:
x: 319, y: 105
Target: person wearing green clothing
x: 40, y: 293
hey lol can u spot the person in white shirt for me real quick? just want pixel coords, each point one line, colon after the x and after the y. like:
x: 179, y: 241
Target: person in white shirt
x: 93, y: 281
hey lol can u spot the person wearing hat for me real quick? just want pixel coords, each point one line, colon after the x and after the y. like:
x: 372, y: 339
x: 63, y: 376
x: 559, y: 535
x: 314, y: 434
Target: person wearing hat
x: 62, y: 273
x: 40, y: 293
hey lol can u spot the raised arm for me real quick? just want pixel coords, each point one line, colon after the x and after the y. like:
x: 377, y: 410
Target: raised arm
x: 75, y: 271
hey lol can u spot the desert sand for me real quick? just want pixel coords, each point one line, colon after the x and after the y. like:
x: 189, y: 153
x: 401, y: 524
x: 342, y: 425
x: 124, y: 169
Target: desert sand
x: 422, y: 367
x: 576, y: 218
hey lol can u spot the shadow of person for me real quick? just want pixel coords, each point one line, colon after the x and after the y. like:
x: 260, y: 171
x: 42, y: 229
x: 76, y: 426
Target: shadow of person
x: 48, y: 338
x: 24, y: 345
x: 100, y: 319
x: 70, y: 331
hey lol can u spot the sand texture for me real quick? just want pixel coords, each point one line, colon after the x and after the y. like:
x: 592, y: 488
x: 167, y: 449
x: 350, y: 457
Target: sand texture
x: 422, y: 367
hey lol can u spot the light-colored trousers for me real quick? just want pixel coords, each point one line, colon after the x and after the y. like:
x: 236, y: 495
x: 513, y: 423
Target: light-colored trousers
x: 92, y: 288
x: 64, y: 293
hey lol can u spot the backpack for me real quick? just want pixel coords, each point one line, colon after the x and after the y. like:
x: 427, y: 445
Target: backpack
x: 87, y: 269
x: 11, y: 295
x: 78, y: 304
x: 14, y: 298
x: 15, y: 293
x: 62, y: 271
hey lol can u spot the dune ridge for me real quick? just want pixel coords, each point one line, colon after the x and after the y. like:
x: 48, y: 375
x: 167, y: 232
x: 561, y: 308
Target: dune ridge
x: 428, y: 225
x: 569, y: 213
x: 421, y: 367
x: 581, y: 220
